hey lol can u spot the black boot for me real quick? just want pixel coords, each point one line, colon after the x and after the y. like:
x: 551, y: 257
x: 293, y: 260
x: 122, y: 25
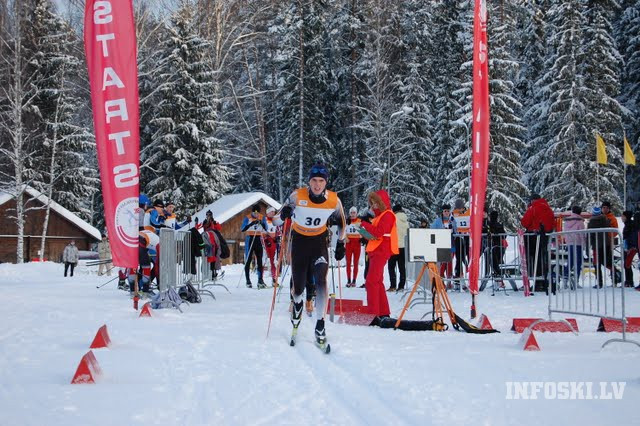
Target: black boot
x: 261, y: 283
x: 249, y: 285
x: 321, y: 335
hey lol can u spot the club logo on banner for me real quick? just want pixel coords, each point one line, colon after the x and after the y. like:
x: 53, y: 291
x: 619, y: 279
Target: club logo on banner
x: 110, y: 47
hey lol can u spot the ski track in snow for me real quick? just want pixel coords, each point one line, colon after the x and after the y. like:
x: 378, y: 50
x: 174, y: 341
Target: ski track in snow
x: 212, y: 365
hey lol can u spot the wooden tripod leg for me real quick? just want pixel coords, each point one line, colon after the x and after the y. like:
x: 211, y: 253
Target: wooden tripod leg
x: 413, y: 291
x: 443, y: 297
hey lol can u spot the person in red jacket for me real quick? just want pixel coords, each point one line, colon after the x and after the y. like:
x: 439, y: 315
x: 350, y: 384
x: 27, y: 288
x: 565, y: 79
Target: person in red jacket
x: 537, y: 221
x: 383, y: 245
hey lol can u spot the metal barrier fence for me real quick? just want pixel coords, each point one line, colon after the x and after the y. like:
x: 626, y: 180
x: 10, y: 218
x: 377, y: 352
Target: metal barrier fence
x: 500, y: 262
x: 178, y: 265
x: 586, y: 275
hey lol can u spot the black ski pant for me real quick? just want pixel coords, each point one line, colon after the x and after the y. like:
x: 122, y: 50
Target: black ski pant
x: 462, y: 254
x: 255, y: 247
x: 397, y: 259
x: 66, y: 267
x: 309, y: 257
x: 543, y: 260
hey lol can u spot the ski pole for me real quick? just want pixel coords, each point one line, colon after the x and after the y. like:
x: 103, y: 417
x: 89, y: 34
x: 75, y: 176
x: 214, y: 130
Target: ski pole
x: 275, y: 290
x: 340, y: 287
x: 332, y: 302
x: 102, y: 285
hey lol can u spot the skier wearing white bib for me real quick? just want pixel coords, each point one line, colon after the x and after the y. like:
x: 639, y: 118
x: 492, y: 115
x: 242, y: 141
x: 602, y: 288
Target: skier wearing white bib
x: 311, y: 209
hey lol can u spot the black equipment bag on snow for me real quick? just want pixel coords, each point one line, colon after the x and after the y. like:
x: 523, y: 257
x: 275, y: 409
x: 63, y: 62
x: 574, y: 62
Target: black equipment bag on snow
x: 189, y: 293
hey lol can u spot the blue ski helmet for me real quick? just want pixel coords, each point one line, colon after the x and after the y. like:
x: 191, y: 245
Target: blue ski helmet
x: 143, y: 200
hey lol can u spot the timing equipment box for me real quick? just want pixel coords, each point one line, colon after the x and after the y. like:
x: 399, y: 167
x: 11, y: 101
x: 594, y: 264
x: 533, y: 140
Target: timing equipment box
x: 429, y: 245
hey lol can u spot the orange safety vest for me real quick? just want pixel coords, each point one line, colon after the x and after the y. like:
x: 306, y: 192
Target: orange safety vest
x: 352, y: 229
x: 392, y: 235
x: 310, y: 219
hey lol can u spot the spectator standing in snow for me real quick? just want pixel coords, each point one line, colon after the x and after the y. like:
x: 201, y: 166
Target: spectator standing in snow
x: 402, y: 226
x: 383, y: 228
x: 575, y: 244
x: 462, y: 217
x: 538, y: 220
x: 601, y: 243
x: 446, y: 221
x: 70, y: 257
x: 104, y: 253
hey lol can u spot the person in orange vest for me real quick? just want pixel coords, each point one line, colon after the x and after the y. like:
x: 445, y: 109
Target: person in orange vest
x: 270, y: 237
x: 381, y: 247
x: 310, y: 208
x: 353, y: 246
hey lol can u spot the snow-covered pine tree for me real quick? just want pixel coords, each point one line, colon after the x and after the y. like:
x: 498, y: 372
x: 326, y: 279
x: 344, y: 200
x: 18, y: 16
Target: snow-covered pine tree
x: 603, y: 114
x: 505, y: 191
x: 184, y: 155
x: 567, y: 169
x: 452, y: 129
x: 412, y: 179
x: 533, y: 54
x: 64, y: 143
x: 627, y: 32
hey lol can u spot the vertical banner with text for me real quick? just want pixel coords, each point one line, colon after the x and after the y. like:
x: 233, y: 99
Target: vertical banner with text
x: 110, y: 47
x: 479, y: 137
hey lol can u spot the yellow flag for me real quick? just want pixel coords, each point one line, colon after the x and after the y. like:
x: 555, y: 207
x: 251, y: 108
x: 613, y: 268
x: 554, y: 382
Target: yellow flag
x: 629, y: 158
x: 601, y: 151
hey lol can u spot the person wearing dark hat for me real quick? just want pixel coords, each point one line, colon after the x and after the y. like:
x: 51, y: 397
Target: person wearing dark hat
x: 254, y: 225
x: 537, y: 221
x: 310, y: 208
x: 445, y: 220
x: 630, y: 244
x: 402, y: 227
x: 154, y: 217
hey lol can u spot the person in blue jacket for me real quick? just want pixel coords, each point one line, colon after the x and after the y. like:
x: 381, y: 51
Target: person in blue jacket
x: 254, y: 225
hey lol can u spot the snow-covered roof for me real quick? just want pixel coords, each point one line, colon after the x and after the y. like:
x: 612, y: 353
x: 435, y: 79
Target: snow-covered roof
x: 228, y: 206
x: 37, y: 195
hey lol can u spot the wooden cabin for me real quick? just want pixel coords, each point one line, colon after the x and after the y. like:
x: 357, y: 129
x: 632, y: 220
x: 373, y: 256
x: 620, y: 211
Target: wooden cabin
x: 229, y: 211
x: 63, y: 227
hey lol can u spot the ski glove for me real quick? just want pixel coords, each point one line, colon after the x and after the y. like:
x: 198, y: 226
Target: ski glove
x: 286, y: 212
x: 339, y: 250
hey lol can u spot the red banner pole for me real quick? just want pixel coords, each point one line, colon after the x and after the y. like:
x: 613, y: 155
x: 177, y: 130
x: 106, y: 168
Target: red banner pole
x: 110, y: 48
x: 479, y: 140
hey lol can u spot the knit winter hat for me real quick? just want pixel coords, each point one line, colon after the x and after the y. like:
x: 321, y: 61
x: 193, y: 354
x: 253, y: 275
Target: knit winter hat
x: 596, y: 211
x: 319, y: 170
x: 353, y: 210
x: 446, y: 206
x: 459, y: 204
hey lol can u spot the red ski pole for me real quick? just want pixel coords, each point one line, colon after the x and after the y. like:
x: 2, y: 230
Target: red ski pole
x: 287, y: 225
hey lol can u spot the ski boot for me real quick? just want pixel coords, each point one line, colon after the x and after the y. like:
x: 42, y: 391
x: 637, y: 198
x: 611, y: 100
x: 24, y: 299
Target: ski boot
x: 249, y: 285
x: 296, y: 317
x: 261, y: 283
x: 321, y: 337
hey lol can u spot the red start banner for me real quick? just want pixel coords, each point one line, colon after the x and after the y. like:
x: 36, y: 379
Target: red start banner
x: 479, y: 138
x: 110, y: 48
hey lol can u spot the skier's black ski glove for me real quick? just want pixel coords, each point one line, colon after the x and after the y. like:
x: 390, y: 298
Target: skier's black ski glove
x: 286, y: 212
x: 339, y: 251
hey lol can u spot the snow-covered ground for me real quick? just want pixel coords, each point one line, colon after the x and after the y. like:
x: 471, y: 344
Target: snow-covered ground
x: 212, y: 365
